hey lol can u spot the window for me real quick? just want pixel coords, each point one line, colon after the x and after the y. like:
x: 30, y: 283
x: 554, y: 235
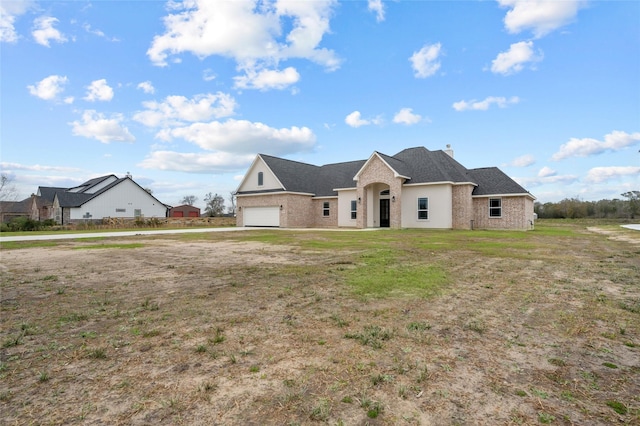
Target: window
x: 495, y: 207
x: 137, y: 212
x: 121, y: 210
x: 423, y: 208
x: 325, y: 209
x: 354, y: 208
x: 260, y: 178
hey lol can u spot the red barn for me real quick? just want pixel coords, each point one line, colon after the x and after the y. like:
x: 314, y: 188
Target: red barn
x: 184, y: 210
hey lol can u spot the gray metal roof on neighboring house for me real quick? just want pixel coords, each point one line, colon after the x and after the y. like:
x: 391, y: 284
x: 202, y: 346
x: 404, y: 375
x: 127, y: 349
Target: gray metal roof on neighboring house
x: 91, y: 183
x: 78, y: 198
x: 418, y: 164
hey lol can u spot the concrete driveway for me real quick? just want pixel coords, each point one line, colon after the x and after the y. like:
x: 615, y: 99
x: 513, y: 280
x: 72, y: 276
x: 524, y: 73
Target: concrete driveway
x: 160, y: 231
x: 118, y: 234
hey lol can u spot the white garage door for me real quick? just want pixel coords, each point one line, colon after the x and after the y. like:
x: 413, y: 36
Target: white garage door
x: 261, y: 216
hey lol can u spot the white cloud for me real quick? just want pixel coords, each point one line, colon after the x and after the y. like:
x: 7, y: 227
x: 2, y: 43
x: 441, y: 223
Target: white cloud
x: 9, y: 11
x: 44, y: 31
x: 522, y: 161
x: 99, y: 90
x: 208, y: 75
x: 552, y: 179
x: 484, y: 105
x: 540, y: 16
x: 355, y: 120
x: 425, y: 61
x: 219, y: 162
x: 242, y: 136
x: 256, y: 34
x: 267, y: 79
x: 601, y: 174
x: 513, y: 60
x: 98, y: 33
x: 613, y: 141
x: 546, y: 172
x: 49, y: 87
x: 95, y: 125
x: 147, y: 87
x: 406, y: 116
x: 37, y: 168
x: 178, y: 110
x: 377, y: 7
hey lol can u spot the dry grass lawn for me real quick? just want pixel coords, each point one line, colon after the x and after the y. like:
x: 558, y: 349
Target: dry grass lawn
x: 322, y: 327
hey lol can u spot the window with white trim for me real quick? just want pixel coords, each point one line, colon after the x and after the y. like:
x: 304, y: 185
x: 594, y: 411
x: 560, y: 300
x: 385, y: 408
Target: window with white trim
x: 137, y: 212
x: 325, y: 209
x: 354, y: 209
x: 495, y: 207
x: 423, y: 208
x: 260, y: 178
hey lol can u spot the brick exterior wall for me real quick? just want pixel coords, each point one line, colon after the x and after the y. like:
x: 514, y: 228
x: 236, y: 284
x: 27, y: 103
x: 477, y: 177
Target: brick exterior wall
x: 462, y: 206
x: 297, y: 210
x: 376, y: 171
x: 517, y: 213
x: 321, y: 221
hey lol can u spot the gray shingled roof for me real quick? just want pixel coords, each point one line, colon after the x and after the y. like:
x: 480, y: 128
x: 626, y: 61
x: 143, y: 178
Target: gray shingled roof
x: 338, y: 175
x: 49, y: 192
x: 492, y: 180
x: 23, y: 206
x: 432, y: 166
x: 294, y: 176
x: 418, y: 164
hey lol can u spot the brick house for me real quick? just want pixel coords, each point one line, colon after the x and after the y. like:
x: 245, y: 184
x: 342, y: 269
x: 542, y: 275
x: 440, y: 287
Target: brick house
x: 415, y: 188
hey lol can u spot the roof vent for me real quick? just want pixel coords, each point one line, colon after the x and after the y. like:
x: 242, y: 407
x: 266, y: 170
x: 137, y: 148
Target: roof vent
x: 449, y: 151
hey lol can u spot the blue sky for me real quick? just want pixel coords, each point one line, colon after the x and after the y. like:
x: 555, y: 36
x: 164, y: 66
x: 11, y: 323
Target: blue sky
x: 183, y: 95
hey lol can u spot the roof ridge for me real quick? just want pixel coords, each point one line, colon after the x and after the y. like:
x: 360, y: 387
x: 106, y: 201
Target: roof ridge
x: 286, y: 159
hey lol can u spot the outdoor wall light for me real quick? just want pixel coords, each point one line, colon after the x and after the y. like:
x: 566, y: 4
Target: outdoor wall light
x: 393, y: 199
x: 281, y: 207
x: 359, y: 200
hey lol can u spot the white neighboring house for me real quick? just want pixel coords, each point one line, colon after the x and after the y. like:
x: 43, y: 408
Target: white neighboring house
x: 102, y: 197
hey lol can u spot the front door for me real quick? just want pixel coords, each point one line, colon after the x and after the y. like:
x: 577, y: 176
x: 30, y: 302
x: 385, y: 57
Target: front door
x: 384, y: 213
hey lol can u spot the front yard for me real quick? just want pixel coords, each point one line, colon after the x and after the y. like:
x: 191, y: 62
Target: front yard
x: 311, y: 327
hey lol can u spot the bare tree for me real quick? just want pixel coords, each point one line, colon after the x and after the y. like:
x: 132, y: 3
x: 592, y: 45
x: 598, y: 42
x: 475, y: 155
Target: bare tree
x: 189, y: 200
x: 214, y: 205
x: 232, y: 200
x: 7, y: 190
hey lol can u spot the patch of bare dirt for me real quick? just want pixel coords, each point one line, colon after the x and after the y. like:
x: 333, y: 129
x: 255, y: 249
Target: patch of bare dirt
x: 218, y: 331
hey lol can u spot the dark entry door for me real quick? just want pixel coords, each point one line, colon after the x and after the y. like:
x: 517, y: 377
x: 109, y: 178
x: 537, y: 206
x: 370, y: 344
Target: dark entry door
x: 384, y: 213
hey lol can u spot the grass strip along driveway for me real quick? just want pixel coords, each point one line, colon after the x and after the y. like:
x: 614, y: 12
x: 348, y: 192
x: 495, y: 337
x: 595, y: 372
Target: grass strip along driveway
x: 303, y: 327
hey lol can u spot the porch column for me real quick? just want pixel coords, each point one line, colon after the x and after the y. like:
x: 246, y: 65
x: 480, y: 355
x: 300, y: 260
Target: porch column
x: 395, y: 211
x: 361, y: 219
